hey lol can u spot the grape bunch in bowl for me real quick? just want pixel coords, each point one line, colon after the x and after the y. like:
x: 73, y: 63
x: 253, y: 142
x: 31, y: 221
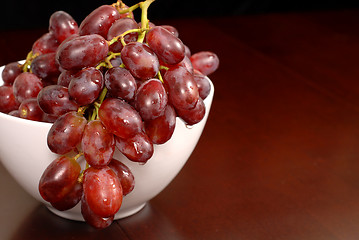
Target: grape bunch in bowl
x: 100, y: 117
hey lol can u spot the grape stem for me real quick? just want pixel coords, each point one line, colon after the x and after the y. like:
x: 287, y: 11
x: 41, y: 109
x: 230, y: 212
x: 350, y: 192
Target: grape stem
x: 29, y: 58
x: 144, y: 20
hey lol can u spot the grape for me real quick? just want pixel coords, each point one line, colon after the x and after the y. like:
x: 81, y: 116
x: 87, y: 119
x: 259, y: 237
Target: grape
x: 181, y: 87
x: 30, y: 109
x: 55, y: 100
x: 45, y: 44
x: 186, y: 63
x: 138, y: 148
x: 10, y: 72
x: 140, y: 60
x: 120, y: 83
x: 160, y: 129
x: 14, y: 113
x: 125, y: 175
x: 93, y: 219
x: 82, y: 51
x: 99, y: 21
x: 8, y: 101
x: 204, y: 87
x: 187, y: 51
x: 49, y: 118
x: 194, y: 115
x: 66, y: 132
x: 120, y: 26
x: 171, y: 29
x: 59, y: 178
x: 206, y: 62
x: 45, y: 66
x: 168, y: 48
x: 98, y: 145
x: 151, y: 99
x: 116, y: 62
x: 62, y: 25
x: 65, y: 78
x: 102, y: 190
x: 71, y: 199
x: 26, y: 85
x: 86, y: 85
x: 120, y: 118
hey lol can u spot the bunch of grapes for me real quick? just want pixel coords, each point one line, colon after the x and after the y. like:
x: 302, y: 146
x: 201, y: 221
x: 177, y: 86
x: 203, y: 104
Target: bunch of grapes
x: 109, y: 83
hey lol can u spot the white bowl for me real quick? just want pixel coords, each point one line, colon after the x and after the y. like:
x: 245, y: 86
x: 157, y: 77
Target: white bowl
x: 25, y: 154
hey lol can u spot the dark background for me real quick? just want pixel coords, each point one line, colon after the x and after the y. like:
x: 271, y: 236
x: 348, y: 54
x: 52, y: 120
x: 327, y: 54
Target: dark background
x: 21, y: 14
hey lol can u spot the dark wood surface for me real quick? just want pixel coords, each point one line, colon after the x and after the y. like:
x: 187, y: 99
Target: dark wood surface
x: 279, y: 157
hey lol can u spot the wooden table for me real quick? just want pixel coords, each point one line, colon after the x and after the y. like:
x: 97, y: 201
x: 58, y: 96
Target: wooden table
x: 279, y: 157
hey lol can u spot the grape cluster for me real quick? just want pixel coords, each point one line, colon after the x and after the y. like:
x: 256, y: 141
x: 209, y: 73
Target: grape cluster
x: 109, y: 83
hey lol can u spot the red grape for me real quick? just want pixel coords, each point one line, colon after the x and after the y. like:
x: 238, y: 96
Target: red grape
x: 140, y: 60
x: 120, y: 26
x: 62, y: 25
x: 102, y: 190
x: 138, y: 148
x: 160, y: 129
x: 171, y: 29
x: 86, y: 85
x: 204, y: 87
x: 66, y: 132
x: 82, y: 51
x: 99, y: 21
x: 120, y: 83
x: 26, y: 85
x: 206, y: 62
x: 93, y: 219
x: 55, y: 100
x: 59, y: 178
x: 125, y: 175
x: 71, y: 199
x: 181, y: 87
x: 30, y: 109
x: 168, y: 48
x: 45, y: 44
x: 194, y: 115
x: 65, y: 78
x: 151, y: 99
x: 98, y: 145
x: 10, y: 72
x: 120, y: 118
x: 45, y: 66
x: 8, y: 101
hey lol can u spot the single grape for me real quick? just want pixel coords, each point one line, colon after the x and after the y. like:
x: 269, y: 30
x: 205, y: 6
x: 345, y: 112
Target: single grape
x: 86, y: 85
x: 71, y: 199
x: 151, y: 99
x: 66, y: 133
x: 10, y: 72
x: 102, y: 190
x: 120, y: 83
x: 194, y: 115
x: 59, y: 178
x: 45, y: 66
x: 120, y: 118
x: 204, y: 87
x: 171, y: 29
x: 138, y: 148
x: 82, y: 51
x: 98, y: 144
x: 167, y: 47
x: 181, y: 87
x: 91, y: 218
x: 140, y: 60
x: 8, y: 101
x: 99, y: 21
x: 45, y: 44
x: 125, y: 175
x: 206, y: 62
x: 30, y: 109
x: 26, y: 85
x: 49, y: 118
x: 120, y: 26
x: 62, y: 25
x: 161, y: 129
x: 55, y: 100
x: 187, y: 51
x: 65, y: 78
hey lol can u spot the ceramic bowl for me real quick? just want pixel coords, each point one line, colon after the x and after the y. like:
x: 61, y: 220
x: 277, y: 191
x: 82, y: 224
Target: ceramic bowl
x: 25, y: 155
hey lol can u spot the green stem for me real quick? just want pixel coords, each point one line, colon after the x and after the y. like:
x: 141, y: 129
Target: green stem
x: 144, y: 20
